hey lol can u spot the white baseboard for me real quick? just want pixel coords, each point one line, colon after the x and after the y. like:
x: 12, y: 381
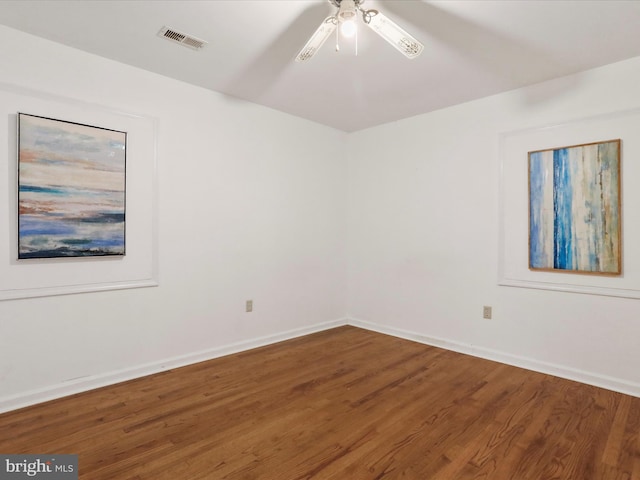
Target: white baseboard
x: 597, y: 380
x: 91, y: 382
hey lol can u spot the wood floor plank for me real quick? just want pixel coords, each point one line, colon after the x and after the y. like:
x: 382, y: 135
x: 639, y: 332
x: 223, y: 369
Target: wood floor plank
x: 340, y: 404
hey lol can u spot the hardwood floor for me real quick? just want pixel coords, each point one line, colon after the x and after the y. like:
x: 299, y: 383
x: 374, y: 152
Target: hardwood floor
x: 341, y: 404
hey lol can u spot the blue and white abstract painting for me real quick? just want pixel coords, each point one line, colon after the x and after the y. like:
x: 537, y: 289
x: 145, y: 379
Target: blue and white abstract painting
x: 71, y: 189
x: 574, y: 209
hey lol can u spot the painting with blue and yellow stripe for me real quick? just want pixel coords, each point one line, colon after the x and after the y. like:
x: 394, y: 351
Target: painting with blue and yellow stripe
x: 575, y: 209
x: 71, y: 189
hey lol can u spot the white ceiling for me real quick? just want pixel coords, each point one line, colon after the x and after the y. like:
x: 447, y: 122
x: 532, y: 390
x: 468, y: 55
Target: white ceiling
x: 473, y: 48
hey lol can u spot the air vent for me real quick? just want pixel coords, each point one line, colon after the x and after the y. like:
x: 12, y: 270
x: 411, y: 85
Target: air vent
x: 182, y: 38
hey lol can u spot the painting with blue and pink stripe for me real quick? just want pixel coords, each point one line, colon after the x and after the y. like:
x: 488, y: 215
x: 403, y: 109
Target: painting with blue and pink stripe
x: 575, y: 209
x: 71, y: 189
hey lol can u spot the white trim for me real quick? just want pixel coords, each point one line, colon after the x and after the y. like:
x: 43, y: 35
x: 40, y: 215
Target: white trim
x: 101, y: 278
x: 513, y: 245
x: 83, y: 384
x: 10, y: 294
x: 565, y: 287
x: 597, y: 380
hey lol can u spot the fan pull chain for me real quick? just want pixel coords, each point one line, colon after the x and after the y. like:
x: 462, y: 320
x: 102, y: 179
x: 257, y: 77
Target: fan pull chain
x: 357, y: 41
x: 338, y: 37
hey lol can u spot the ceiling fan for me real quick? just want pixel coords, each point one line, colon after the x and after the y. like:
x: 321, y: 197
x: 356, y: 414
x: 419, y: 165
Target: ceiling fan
x: 345, y: 19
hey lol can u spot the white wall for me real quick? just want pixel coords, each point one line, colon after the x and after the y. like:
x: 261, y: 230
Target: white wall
x: 251, y: 206
x: 423, y: 236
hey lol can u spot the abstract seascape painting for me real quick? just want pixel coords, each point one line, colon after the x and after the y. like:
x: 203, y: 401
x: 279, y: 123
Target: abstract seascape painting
x: 71, y: 189
x: 575, y: 209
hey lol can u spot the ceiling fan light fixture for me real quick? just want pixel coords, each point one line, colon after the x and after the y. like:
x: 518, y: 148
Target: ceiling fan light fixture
x: 347, y: 17
x: 348, y: 28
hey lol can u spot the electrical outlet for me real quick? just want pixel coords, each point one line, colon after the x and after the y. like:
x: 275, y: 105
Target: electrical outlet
x: 486, y: 312
x: 249, y: 306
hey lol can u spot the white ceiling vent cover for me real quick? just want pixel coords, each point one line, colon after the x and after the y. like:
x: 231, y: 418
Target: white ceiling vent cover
x: 182, y: 38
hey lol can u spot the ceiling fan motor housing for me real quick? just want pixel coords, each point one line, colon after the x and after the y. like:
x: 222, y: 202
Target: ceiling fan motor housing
x: 348, y: 10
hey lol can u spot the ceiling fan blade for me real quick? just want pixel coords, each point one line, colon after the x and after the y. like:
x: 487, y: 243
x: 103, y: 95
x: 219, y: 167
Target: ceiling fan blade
x: 316, y: 41
x: 392, y: 33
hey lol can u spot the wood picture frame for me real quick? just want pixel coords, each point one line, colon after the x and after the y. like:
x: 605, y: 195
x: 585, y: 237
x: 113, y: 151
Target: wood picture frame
x: 575, y: 209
